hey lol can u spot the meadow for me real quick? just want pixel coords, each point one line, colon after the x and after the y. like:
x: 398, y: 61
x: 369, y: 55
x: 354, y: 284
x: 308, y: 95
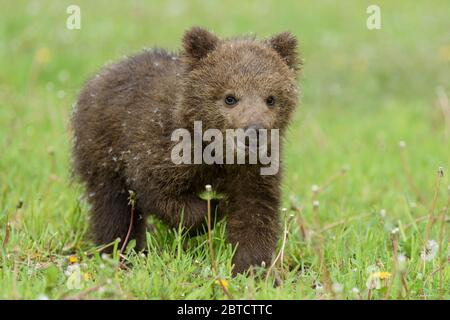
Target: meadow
x: 366, y: 188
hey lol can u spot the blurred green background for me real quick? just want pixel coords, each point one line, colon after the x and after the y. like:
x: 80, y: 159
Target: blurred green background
x: 363, y: 91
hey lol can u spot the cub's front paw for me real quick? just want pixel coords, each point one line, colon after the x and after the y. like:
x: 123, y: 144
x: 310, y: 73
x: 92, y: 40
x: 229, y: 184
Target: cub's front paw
x: 245, y: 258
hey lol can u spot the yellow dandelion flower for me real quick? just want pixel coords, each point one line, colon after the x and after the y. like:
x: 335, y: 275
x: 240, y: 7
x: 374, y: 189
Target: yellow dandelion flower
x: 42, y: 55
x: 73, y: 259
x: 383, y: 275
x: 374, y: 280
x: 87, y: 276
x: 222, y: 282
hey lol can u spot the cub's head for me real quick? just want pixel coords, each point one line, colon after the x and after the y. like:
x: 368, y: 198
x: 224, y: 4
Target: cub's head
x: 239, y: 83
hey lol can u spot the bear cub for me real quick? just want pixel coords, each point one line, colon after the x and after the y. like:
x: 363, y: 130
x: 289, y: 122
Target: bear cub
x: 123, y: 123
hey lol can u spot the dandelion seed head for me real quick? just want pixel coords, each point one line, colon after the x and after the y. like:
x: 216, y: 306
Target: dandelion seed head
x: 430, y: 251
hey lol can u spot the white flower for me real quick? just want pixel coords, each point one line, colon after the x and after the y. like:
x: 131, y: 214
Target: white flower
x: 430, y: 251
x: 71, y: 269
x: 315, y: 188
x: 402, y: 144
x: 73, y: 273
x: 355, y: 291
x: 383, y: 213
x: 373, y: 282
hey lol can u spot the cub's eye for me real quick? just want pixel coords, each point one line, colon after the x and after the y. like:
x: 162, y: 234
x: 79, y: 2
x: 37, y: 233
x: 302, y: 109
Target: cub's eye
x: 270, y: 101
x: 230, y: 100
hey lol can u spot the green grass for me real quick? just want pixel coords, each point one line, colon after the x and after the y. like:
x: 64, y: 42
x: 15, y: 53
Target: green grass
x: 362, y: 92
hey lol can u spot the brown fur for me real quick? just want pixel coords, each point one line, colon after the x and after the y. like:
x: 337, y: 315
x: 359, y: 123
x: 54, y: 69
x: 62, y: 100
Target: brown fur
x: 123, y: 123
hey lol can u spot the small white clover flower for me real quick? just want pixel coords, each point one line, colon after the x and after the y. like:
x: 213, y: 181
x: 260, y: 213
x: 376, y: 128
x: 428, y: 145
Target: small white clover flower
x: 315, y: 188
x: 430, y: 251
x: 73, y: 273
x: 402, y: 144
x: 383, y: 213
x: 316, y: 203
x: 71, y: 269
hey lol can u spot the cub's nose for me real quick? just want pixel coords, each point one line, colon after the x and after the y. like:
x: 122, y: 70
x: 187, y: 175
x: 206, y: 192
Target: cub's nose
x: 253, y: 129
x: 254, y: 126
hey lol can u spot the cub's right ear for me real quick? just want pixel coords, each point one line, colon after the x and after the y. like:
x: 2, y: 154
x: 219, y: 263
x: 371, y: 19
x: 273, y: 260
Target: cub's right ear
x: 285, y: 44
x: 197, y: 43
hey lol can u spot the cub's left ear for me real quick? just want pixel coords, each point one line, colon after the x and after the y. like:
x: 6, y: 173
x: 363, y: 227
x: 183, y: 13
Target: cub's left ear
x: 286, y: 45
x: 197, y: 43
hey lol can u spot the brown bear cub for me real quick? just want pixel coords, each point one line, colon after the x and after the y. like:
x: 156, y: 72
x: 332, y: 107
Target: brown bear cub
x: 125, y: 117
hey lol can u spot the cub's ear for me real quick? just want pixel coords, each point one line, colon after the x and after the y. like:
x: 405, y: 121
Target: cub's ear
x: 286, y: 45
x: 197, y: 43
